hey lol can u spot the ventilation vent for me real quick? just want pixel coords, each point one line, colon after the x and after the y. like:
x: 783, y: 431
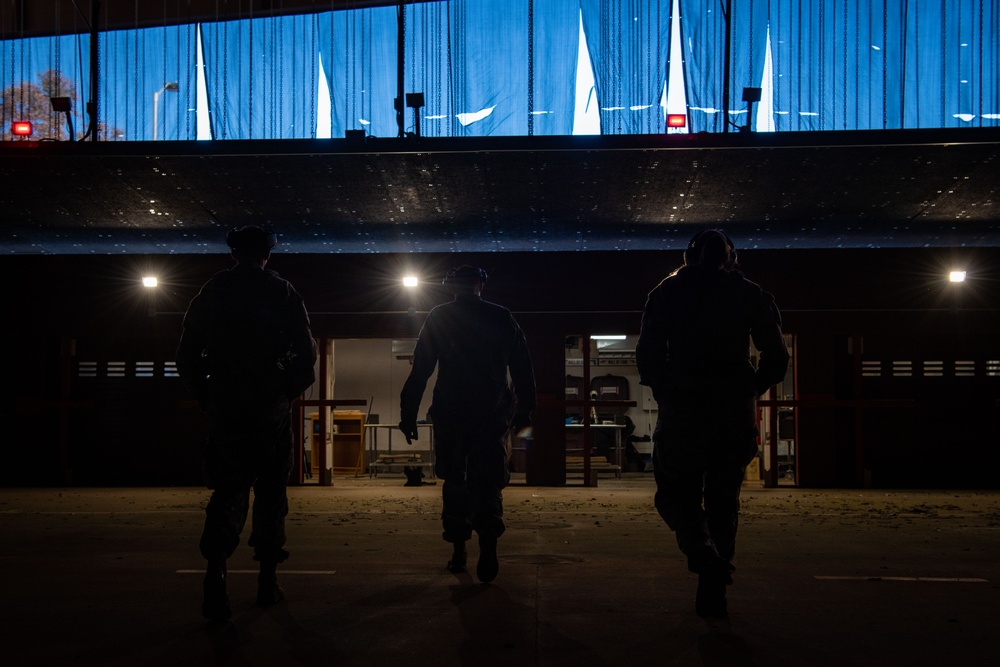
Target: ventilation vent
x: 965, y: 369
x: 933, y: 369
x: 871, y: 369
x: 126, y: 369
x: 902, y: 369
x: 86, y: 369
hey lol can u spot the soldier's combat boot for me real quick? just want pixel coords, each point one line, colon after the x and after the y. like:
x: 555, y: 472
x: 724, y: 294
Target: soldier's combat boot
x: 268, y: 590
x: 459, y: 558
x: 215, y: 605
x: 488, y: 565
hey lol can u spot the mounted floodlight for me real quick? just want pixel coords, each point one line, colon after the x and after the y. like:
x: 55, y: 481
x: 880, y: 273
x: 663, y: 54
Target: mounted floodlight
x: 410, y: 281
x: 676, y: 120
x: 957, y: 276
x: 149, y: 281
x: 751, y: 96
x: 415, y: 101
x: 21, y: 128
x: 609, y: 337
x: 61, y: 104
x: 64, y: 105
x: 171, y: 86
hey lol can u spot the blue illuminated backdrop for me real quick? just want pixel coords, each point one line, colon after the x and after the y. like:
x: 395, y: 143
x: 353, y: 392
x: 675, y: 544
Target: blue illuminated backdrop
x: 512, y: 68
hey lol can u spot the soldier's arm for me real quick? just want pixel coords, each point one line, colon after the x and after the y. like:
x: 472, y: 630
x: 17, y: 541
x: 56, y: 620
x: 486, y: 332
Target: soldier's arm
x: 192, y: 365
x: 301, y: 346
x: 301, y: 339
x: 651, y: 351
x: 767, y: 337
x: 424, y: 360
x: 522, y: 374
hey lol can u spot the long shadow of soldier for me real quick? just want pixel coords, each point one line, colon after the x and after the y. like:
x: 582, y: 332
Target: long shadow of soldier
x: 502, y: 632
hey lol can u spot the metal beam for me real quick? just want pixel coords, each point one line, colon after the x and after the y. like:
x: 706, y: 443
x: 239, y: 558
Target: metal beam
x: 49, y: 18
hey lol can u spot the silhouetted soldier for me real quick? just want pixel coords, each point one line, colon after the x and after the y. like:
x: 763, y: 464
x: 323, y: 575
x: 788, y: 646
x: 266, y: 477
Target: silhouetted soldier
x: 693, y: 352
x: 474, y: 343
x: 246, y: 352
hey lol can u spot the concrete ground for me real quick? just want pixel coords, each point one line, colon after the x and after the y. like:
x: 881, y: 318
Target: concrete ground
x: 588, y: 576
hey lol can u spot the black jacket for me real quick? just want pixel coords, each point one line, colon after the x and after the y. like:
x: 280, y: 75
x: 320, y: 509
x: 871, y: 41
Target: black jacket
x: 696, y: 332
x: 246, y: 335
x: 473, y: 343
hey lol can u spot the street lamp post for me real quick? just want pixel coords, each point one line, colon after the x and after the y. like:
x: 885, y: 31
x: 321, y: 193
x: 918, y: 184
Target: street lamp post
x: 172, y: 86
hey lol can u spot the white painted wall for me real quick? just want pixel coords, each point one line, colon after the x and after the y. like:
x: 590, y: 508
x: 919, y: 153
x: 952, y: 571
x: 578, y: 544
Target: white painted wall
x: 368, y: 369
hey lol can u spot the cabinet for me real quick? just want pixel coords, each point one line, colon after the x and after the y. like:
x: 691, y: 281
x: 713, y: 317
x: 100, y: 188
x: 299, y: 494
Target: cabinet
x: 348, y: 442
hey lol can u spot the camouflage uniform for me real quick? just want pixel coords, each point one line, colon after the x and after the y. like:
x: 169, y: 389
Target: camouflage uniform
x: 246, y: 352
x: 693, y: 352
x: 473, y: 343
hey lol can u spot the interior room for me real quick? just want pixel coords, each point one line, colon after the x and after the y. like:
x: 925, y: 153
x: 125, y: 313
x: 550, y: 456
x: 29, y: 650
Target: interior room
x: 373, y: 369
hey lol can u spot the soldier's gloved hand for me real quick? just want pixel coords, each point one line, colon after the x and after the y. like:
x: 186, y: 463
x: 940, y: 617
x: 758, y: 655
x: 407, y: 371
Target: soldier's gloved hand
x: 409, y: 430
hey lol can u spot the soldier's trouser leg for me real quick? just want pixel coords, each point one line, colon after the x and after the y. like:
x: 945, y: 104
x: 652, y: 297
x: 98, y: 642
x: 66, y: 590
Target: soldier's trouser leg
x: 722, y: 504
x: 247, y: 451
x: 487, y: 477
x: 270, y: 502
x: 700, y: 454
x: 449, y: 465
x: 270, y: 507
x: 455, y: 509
x: 225, y: 516
x: 727, y: 465
x: 229, y: 475
x: 679, y: 474
x: 473, y: 464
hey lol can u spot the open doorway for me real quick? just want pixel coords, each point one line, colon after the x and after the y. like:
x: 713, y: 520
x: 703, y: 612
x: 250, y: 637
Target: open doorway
x: 619, y: 418
x: 777, y: 461
x: 365, y: 440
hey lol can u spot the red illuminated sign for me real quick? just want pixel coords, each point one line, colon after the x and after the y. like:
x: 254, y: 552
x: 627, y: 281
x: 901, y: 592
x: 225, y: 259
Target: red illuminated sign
x: 676, y: 120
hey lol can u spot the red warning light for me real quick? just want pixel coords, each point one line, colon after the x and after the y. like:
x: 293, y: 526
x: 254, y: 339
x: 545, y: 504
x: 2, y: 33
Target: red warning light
x: 21, y: 128
x: 676, y: 120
